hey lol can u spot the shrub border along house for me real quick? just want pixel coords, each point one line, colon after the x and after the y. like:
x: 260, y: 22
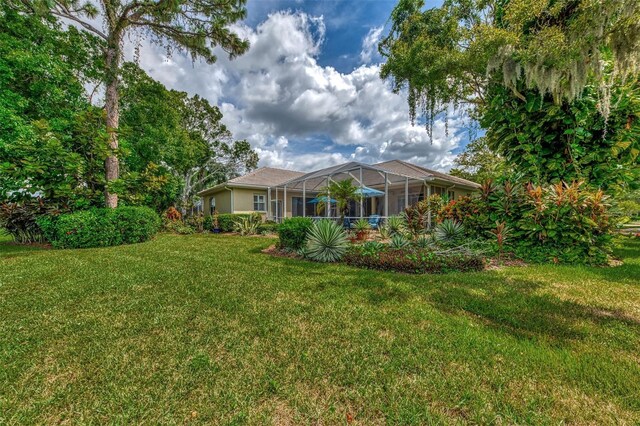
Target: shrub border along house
x: 100, y: 227
x: 326, y: 241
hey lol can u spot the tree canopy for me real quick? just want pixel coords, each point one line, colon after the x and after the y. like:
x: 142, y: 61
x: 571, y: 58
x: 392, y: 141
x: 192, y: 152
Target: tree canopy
x: 194, y: 26
x: 53, y: 141
x: 449, y: 54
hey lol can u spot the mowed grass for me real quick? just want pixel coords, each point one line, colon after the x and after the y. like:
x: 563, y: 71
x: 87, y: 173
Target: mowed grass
x: 207, y: 329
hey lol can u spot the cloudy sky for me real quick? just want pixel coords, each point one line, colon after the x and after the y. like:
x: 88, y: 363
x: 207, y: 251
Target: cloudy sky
x: 308, y: 94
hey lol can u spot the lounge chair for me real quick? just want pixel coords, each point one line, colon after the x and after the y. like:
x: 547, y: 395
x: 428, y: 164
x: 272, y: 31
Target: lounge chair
x: 374, y: 221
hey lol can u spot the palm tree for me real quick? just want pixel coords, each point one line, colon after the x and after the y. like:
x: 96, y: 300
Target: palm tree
x: 343, y: 192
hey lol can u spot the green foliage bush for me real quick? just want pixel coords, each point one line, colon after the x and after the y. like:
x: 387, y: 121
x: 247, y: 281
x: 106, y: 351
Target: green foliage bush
x: 412, y: 260
x: 20, y: 220
x: 100, y: 227
x: 292, y: 232
x: 268, y: 228
x: 561, y: 223
x: 226, y: 221
x: 135, y: 224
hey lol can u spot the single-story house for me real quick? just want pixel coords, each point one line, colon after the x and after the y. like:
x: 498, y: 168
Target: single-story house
x: 388, y: 188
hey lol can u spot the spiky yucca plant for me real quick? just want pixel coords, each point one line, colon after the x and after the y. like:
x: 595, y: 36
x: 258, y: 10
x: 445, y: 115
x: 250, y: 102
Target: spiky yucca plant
x: 398, y: 241
x: 396, y: 224
x: 449, y: 231
x: 326, y: 241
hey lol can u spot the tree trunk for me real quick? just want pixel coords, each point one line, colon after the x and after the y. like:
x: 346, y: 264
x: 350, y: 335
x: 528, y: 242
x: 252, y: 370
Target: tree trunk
x: 112, y: 108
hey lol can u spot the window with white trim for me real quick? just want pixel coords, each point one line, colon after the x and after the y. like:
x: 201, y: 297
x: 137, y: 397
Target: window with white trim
x: 259, y: 203
x: 212, y: 205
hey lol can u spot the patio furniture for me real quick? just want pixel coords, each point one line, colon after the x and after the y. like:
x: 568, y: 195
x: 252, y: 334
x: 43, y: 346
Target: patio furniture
x: 374, y: 221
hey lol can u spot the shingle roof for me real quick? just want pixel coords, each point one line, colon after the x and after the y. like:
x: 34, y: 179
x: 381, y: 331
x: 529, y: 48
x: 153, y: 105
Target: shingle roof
x: 399, y: 166
x: 265, y: 176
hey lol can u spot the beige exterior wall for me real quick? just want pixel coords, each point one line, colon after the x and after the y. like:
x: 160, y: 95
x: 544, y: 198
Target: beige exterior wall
x: 243, y: 200
x: 223, y: 202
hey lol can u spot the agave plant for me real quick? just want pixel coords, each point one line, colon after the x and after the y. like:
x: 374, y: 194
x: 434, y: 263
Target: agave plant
x: 371, y: 248
x: 246, y: 226
x: 396, y: 224
x: 449, y: 231
x: 423, y: 241
x: 398, y: 241
x: 362, y: 225
x: 326, y: 241
x: 385, y: 234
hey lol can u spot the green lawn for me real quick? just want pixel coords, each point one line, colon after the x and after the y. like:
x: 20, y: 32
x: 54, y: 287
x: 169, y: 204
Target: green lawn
x: 206, y: 329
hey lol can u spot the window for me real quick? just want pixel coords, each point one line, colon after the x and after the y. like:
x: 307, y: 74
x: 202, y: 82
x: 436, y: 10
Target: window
x: 258, y: 203
x: 212, y: 205
x: 452, y: 195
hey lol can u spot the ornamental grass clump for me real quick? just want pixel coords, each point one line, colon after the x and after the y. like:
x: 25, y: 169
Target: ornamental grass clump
x: 326, y: 241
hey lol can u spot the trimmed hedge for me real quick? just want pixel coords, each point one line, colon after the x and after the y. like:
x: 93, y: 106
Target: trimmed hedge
x: 292, y: 232
x: 413, y: 260
x: 268, y: 228
x: 100, y: 227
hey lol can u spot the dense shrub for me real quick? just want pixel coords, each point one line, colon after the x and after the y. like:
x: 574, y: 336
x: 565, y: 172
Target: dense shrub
x: 195, y: 221
x: 561, y: 223
x: 226, y: 221
x: 135, y: 224
x: 268, y: 228
x: 20, y: 220
x: 412, y: 260
x: 100, y: 227
x: 292, y: 232
x: 326, y: 241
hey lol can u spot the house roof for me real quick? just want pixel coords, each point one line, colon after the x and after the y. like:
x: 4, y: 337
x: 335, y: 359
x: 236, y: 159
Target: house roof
x: 261, y: 177
x: 265, y: 177
x: 419, y: 172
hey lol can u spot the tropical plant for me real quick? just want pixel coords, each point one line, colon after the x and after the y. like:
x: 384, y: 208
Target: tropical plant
x: 398, y: 241
x: 423, y: 241
x: 326, y: 241
x: 449, y: 231
x: 343, y: 191
x: 384, y: 231
x: 416, y: 218
x: 371, y: 248
x: 20, y: 220
x: 396, y: 225
x: 362, y: 228
x: 246, y: 225
x: 502, y: 233
x: 362, y: 225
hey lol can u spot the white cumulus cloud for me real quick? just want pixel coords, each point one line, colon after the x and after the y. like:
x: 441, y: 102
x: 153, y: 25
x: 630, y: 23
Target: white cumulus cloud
x: 283, y: 101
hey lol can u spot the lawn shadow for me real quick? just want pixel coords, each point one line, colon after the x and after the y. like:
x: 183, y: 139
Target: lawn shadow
x: 9, y: 249
x: 514, y: 306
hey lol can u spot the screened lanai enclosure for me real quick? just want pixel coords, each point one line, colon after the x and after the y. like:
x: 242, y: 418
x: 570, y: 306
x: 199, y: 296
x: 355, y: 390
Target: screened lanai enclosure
x: 386, y: 191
